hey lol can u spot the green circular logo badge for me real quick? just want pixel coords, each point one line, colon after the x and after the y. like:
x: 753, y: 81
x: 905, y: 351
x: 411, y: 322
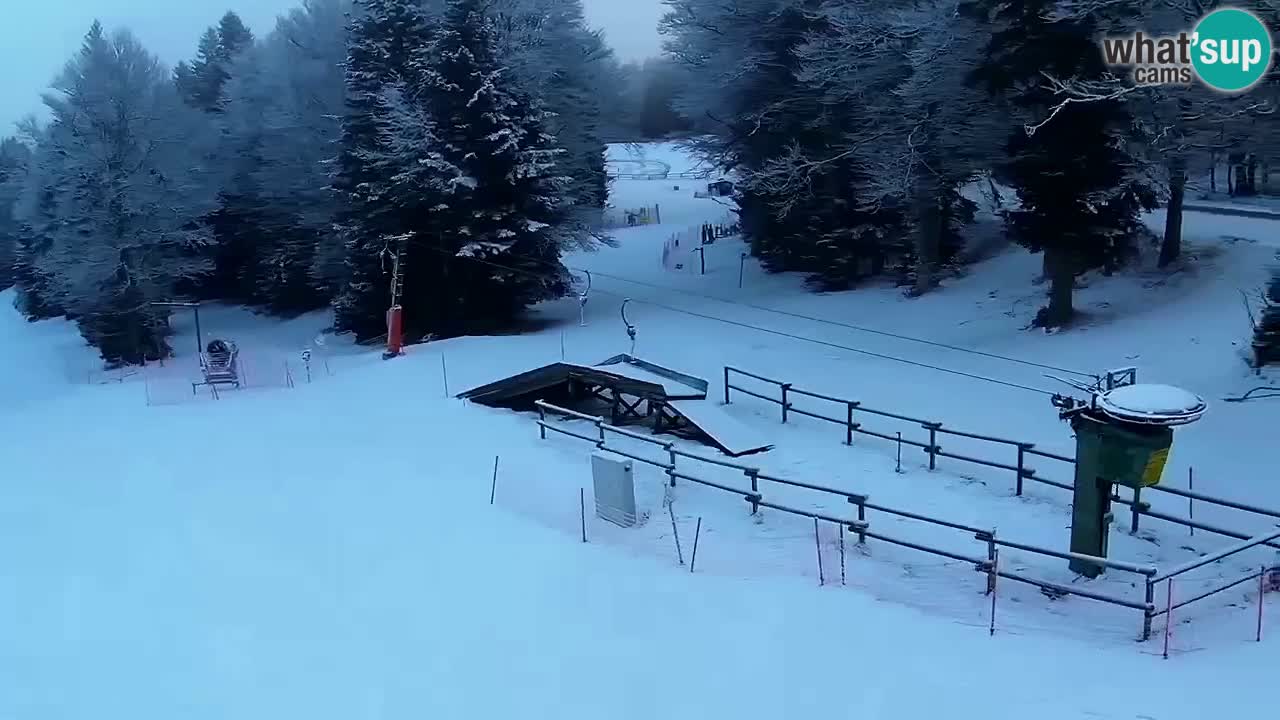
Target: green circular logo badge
x: 1231, y: 49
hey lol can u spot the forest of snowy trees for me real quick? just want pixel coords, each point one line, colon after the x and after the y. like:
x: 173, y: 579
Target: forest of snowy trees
x: 283, y: 172
x: 853, y: 124
x: 467, y: 138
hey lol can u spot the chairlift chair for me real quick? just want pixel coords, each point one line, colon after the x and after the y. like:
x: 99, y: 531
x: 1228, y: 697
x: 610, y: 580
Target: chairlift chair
x: 219, y: 364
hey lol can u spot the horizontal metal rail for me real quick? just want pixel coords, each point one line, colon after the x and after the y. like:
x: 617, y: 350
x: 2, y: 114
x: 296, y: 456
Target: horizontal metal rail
x: 570, y: 433
x: 747, y: 494
x: 1210, y: 593
x: 819, y: 488
x: 1216, y: 556
x: 857, y: 525
x: 977, y: 562
x: 893, y: 438
x: 921, y: 518
x: 1051, y: 456
x: 978, y: 461
x: 817, y: 416
x: 1067, y: 590
x: 1031, y: 475
x: 713, y: 461
x: 1233, y: 504
x: 1146, y: 570
x: 1203, y: 526
x: 637, y: 436
x: 647, y: 461
x: 986, y: 438
x: 566, y: 411
x: 755, y: 394
x: 818, y: 396
x: 753, y: 375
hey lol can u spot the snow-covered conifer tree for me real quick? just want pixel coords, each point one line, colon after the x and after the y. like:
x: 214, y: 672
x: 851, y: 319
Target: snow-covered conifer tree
x: 129, y: 189
x: 506, y: 216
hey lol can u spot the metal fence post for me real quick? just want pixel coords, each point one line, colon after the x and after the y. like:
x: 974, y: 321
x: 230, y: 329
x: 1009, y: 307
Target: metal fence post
x: 1137, y: 511
x: 1022, y: 460
x: 1149, y: 612
x: 848, y: 424
x: 991, y: 558
x: 755, y: 487
x: 862, y: 518
x: 726, y: 384
x: 671, y: 453
x: 933, y: 445
x: 542, y: 418
x: 785, y: 388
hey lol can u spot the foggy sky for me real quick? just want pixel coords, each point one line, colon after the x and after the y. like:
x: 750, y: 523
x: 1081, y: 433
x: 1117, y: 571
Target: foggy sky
x: 38, y: 36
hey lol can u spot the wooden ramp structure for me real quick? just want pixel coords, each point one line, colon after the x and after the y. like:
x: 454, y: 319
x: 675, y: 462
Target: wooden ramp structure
x: 627, y: 391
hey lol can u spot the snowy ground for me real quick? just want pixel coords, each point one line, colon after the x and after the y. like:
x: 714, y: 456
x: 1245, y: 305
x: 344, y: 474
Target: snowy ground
x: 328, y: 550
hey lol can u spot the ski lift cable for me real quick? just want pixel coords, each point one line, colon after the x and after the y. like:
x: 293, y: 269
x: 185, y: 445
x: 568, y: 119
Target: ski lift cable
x: 792, y: 336
x: 851, y: 326
x: 826, y: 321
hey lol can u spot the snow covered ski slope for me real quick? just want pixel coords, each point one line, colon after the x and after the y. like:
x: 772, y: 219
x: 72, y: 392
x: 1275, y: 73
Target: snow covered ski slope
x: 329, y: 550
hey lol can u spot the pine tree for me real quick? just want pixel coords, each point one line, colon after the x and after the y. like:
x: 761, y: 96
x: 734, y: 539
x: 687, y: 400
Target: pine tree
x: 1266, y: 335
x: 509, y: 209
x: 128, y: 191
x: 388, y: 195
x: 36, y: 211
x: 14, y: 158
x: 1081, y: 188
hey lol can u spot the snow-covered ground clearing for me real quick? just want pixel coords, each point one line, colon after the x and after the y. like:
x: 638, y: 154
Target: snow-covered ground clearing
x: 330, y: 550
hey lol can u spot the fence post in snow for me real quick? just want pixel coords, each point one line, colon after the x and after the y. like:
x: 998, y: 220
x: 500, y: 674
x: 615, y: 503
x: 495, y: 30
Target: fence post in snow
x: 493, y: 487
x: 697, y: 532
x: 899, y: 467
x: 676, y: 532
x: 582, y: 510
x: 742, y: 265
x: 1137, y: 511
x: 933, y: 444
x: 1149, y: 612
x: 726, y: 384
x: 1022, y: 460
x: 785, y: 403
x: 1168, y: 615
x: 818, y: 545
x: 1262, y: 591
x: 842, y: 555
x: 444, y: 373
x: 992, y: 554
x: 848, y: 423
x: 995, y: 569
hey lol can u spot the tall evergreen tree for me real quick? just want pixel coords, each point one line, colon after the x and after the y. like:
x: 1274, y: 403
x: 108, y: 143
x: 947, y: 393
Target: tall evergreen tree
x: 388, y: 195
x: 1266, y: 334
x: 129, y: 187
x: 1080, y: 185
x: 37, y: 212
x: 14, y: 158
x: 509, y: 210
x: 758, y: 118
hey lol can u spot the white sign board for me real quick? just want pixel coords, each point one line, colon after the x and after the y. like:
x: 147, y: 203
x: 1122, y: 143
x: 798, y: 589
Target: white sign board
x: 615, y: 489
